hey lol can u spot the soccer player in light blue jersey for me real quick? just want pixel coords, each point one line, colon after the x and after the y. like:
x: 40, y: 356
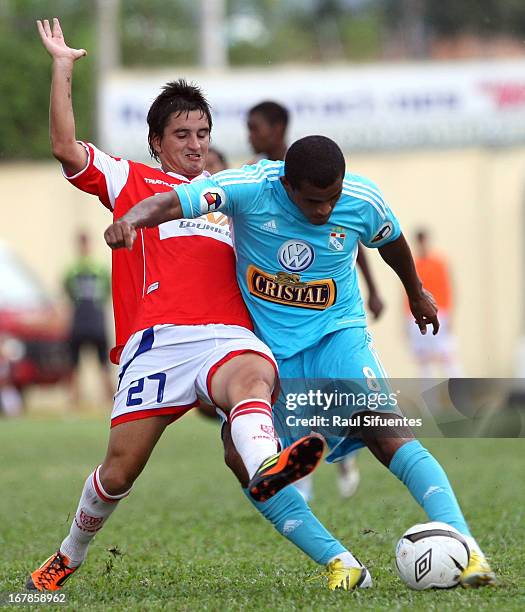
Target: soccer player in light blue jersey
x: 267, y: 127
x: 296, y: 225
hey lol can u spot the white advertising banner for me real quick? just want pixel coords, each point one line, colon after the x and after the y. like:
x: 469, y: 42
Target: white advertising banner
x: 363, y: 108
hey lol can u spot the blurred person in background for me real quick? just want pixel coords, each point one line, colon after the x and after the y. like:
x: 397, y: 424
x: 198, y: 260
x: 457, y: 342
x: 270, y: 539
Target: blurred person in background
x: 267, y: 125
x: 88, y: 286
x: 435, y: 355
x: 216, y: 161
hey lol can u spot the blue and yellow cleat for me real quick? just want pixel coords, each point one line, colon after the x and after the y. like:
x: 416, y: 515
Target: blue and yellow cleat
x: 478, y: 572
x: 347, y: 578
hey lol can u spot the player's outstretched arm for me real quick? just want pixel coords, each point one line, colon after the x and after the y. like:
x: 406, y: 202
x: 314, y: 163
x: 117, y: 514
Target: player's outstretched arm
x: 64, y: 146
x: 150, y: 212
x: 398, y: 256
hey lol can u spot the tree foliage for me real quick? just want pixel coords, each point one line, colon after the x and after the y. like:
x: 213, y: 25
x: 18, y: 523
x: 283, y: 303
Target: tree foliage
x: 160, y: 33
x: 485, y: 17
x: 450, y: 17
x: 26, y: 72
x: 156, y: 32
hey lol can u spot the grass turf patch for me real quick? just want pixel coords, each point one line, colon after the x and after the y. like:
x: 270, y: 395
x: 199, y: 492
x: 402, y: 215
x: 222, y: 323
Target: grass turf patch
x: 186, y: 538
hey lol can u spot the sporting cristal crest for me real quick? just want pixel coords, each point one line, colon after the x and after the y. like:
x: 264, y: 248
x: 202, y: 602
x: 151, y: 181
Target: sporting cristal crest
x: 336, y: 239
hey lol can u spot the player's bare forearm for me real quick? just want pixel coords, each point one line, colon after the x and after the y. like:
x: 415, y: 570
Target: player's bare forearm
x: 155, y: 210
x: 150, y: 212
x: 398, y: 256
x: 365, y: 270
x: 64, y: 146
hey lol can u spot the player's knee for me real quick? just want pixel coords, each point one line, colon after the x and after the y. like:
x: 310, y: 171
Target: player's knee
x: 245, y: 376
x: 257, y: 379
x: 116, y: 479
x: 384, y: 442
x: 257, y: 384
x: 388, y: 448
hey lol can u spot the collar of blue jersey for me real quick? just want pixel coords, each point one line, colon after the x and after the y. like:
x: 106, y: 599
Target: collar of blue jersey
x: 289, y: 205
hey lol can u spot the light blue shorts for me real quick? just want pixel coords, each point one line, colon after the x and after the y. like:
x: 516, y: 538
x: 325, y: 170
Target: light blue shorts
x: 342, y: 365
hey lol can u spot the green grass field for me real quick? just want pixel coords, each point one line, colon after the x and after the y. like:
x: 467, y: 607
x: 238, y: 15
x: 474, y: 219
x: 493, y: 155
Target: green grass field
x: 187, y: 539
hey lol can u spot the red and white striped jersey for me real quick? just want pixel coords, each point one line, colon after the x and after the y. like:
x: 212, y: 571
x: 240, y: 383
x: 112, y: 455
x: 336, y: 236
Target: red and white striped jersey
x: 181, y: 272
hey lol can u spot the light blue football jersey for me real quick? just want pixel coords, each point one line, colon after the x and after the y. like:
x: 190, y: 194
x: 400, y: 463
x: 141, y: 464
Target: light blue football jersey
x: 298, y: 280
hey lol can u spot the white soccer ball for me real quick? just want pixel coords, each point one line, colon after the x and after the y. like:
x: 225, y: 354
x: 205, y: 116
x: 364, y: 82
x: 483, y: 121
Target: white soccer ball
x: 431, y: 556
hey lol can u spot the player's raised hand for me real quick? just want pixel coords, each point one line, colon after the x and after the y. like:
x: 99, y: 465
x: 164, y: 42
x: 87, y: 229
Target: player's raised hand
x: 53, y: 41
x: 425, y: 311
x: 120, y: 234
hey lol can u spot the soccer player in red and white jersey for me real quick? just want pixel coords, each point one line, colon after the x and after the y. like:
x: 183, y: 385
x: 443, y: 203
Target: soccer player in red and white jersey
x: 182, y: 330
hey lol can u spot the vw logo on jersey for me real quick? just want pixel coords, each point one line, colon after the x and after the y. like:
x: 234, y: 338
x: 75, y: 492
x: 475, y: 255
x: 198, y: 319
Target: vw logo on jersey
x: 295, y: 255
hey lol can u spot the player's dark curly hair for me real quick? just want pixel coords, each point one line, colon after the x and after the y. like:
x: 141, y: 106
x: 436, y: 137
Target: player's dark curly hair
x: 315, y: 159
x: 272, y: 112
x: 176, y: 97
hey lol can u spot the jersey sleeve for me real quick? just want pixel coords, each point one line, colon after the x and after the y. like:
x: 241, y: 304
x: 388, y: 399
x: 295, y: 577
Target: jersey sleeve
x: 232, y: 192
x: 103, y: 175
x: 380, y: 225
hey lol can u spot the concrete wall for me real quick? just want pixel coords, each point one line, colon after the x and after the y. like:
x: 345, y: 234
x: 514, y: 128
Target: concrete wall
x: 41, y: 214
x: 471, y: 200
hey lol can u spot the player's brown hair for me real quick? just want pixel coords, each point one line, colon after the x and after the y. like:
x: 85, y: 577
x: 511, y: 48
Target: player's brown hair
x: 176, y: 97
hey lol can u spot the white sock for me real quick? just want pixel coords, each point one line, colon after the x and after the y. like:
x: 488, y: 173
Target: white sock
x: 94, y: 508
x: 252, y: 432
x: 347, y: 558
x: 305, y: 486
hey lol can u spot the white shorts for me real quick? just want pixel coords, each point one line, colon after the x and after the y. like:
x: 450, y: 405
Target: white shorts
x: 166, y: 369
x: 430, y: 347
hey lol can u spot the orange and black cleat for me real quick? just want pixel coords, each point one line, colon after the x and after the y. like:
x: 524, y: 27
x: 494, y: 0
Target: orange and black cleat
x: 293, y: 463
x: 51, y: 575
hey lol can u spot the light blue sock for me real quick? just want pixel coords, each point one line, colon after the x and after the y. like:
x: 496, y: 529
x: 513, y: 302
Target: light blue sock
x: 290, y: 515
x: 426, y: 480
